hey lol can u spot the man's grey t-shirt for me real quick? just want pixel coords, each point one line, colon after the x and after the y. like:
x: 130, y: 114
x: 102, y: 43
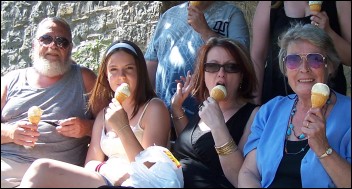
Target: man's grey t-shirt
x: 63, y: 100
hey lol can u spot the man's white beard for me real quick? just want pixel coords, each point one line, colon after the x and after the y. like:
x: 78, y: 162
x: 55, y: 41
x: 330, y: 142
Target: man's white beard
x: 50, y: 69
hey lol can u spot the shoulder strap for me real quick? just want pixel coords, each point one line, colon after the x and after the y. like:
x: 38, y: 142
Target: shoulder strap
x: 145, y: 108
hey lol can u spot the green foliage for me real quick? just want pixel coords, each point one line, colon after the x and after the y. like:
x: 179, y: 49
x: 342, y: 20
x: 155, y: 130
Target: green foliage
x: 88, y: 54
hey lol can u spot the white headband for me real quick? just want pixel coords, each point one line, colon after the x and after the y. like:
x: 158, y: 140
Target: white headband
x: 121, y: 45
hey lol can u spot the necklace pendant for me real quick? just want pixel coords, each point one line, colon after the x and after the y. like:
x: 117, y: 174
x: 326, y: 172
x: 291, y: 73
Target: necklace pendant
x: 302, y: 136
x: 288, y: 132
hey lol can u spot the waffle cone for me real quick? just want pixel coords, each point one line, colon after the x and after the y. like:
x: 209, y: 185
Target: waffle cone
x: 217, y: 94
x: 318, y: 100
x: 122, y: 92
x: 121, y: 97
x: 34, y: 119
x: 194, y: 3
x: 315, y: 7
x: 34, y: 114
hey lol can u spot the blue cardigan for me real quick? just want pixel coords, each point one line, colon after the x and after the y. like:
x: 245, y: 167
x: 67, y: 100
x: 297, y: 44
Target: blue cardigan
x: 268, y: 135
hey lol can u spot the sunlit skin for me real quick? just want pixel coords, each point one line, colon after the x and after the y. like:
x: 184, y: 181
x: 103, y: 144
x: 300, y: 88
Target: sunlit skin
x: 53, y: 52
x: 302, y: 79
x: 121, y: 68
x: 51, y: 61
x: 197, y: 21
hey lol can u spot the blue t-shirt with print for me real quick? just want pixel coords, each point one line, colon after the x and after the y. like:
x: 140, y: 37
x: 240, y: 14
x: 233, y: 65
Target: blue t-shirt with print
x: 175, y: 44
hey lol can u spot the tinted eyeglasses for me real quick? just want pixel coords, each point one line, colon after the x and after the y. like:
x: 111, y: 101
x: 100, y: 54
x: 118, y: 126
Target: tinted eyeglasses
x: 61, y: 42
x: 229, y: 67
x: 314, y: 60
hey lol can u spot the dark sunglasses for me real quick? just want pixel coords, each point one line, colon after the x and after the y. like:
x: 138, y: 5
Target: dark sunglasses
x: 61, y: 42
x: 314, y: 60
x: 229, y: 68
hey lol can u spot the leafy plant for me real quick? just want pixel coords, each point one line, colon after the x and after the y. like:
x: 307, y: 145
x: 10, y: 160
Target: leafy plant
x: 88, y: 53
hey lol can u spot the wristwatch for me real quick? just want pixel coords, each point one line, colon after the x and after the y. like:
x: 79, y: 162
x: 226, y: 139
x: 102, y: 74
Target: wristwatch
x: 327, y: 153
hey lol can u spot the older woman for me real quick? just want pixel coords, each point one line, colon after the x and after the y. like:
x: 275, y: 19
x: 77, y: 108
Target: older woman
x: 292, y: 144
x: 214, y: 138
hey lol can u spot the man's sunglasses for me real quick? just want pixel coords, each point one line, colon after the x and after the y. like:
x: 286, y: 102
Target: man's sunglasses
x: 229, y: 68
x: 314, y: 60
x: 61, y: 42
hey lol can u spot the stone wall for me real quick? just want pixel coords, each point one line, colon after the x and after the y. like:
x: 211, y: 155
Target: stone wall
x: 94, y: 25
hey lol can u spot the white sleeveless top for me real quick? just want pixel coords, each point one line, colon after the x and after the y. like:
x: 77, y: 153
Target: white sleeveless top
x: 111, y: 144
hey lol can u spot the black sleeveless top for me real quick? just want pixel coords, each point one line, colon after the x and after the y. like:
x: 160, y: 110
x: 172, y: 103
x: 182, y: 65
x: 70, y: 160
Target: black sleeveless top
x: 288, y: 175
x: 274, y: 81
x: 195, y: 151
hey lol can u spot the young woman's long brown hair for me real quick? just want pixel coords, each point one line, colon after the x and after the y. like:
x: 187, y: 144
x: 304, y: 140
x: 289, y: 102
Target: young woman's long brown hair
x: 102, y: 93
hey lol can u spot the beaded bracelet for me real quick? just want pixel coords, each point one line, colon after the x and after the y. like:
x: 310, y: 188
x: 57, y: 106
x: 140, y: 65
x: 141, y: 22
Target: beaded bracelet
x: 226, y: 148
x: 97, y: 169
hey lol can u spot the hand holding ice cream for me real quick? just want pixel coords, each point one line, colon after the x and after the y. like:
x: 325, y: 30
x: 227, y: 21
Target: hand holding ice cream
x: 218, y: 93
x: 122, y: 92
x: 320, y: 94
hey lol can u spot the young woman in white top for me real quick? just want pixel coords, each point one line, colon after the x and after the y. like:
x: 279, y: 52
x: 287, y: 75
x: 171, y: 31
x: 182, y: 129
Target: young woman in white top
x: 120, y: 132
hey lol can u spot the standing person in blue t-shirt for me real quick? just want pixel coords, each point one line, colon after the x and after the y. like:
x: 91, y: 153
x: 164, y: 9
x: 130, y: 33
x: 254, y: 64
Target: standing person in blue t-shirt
x: 180, y: 31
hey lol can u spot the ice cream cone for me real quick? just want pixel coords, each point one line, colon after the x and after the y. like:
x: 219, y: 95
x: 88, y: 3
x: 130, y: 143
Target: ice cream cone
x: 122, y: 92
x: 318, y: 100
x: 319, y: 95
x: 218, y: 92
x: 34, y: 119
x: 34, y: 114
x: 194, y: 3
x: 315, y: 5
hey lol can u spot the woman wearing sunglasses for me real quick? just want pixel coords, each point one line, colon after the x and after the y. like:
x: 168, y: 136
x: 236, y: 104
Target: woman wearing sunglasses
x: 213, y: 139
x: 271, y: 18
x: 292, y: 144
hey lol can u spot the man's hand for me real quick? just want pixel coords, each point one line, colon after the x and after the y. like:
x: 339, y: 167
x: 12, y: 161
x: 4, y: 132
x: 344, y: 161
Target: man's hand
x: 75, y: 127
x: 197, y: 20
x: 22, y: 133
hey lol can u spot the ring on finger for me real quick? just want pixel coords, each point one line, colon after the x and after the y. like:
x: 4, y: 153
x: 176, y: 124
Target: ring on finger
x: 307, y: 124
x: 316, y: 24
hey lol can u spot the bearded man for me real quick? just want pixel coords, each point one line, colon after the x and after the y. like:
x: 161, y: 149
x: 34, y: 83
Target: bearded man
x: 60, y: 88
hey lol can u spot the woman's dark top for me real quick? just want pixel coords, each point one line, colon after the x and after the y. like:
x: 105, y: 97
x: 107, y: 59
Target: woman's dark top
x: 288, y: 175
x: 195, y: 150
x: 274, y: 81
